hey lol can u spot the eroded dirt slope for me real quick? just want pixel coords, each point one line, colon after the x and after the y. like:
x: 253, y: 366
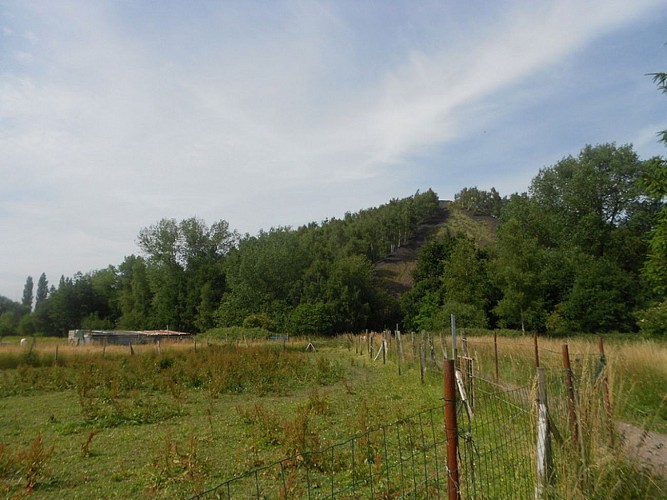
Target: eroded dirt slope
x: 396, y: 269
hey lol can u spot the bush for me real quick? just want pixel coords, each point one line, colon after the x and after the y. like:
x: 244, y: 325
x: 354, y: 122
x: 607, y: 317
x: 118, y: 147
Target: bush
x: 260, y: 321
x: 653, y: 321
x: 316, y: 319
x: 467, y: 316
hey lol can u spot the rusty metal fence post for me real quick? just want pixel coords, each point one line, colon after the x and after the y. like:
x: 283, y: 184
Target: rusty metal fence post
x: 451, y: 430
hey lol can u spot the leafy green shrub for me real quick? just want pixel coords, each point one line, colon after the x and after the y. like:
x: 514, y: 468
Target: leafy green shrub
x: 653, y: 321
x: 316, y: 319
x: 467, y: 316
x: 260, y: 321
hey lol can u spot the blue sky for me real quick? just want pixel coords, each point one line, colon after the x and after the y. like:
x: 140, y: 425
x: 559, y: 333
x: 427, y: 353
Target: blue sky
x: 115, y: 114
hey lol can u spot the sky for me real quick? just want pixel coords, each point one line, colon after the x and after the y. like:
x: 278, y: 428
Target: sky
x: 117, y: 114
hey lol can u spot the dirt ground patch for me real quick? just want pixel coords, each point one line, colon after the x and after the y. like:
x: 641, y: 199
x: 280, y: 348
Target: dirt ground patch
x: 650, y: 448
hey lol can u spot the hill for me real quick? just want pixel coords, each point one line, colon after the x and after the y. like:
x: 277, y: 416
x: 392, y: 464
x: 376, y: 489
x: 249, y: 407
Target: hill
x: 396, y: 269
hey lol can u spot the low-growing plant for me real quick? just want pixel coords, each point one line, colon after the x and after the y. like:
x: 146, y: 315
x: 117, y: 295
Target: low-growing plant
x: 174, y: 465
x: 265, y: 423
x: 317, y: 403
x: 85, y: 447
x: 27, y: 466
x: 300, y: 438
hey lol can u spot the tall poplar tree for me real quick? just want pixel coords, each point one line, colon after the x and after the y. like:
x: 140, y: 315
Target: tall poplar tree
x: 27, y: 293
x: 42, y: 290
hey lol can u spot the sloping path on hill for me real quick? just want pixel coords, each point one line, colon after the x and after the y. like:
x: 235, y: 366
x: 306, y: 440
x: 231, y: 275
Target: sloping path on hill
x: 397, y: 268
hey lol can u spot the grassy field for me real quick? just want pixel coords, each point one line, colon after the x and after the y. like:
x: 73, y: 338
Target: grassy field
x: 77, y: 422
x: 167, y: 424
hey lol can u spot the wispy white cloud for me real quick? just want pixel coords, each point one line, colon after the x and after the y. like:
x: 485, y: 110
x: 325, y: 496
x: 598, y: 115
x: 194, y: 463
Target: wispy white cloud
x: 112, y: 117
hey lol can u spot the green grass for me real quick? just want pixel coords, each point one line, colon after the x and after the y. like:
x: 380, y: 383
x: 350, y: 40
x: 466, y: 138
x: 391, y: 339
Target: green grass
x: 171, y: 422
x: 168, y: 424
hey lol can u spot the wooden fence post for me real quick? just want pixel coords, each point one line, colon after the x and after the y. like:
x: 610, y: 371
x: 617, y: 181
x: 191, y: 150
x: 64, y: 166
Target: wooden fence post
x: 431, y: 346
x: 451, y: 430
x: 400, y: 350
x: 605, y: 392
x: 570, y: 397
x: 443, y: 345
x: 495, y: 353
x: 384, y: 352
x: 544, y: 458
x: 422, y: 356
x: 537, y: 352
x: 370, y: 345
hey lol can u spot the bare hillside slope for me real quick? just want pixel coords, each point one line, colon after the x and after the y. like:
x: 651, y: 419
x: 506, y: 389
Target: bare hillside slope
x: 396, y: 269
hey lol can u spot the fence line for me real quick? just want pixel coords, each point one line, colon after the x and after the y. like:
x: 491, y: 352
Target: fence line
x: 408, y: 458
x: 405, y: 458
x: 501, y: 432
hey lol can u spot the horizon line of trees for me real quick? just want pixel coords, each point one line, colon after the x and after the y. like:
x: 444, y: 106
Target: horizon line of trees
x: 584, y: 250
x: 317, y: 278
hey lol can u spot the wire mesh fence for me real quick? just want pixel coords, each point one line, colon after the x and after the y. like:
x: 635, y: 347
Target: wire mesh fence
x: 496, y: 442
x: 408, y: 458
x: 400, y: 460
x: 498, y: 421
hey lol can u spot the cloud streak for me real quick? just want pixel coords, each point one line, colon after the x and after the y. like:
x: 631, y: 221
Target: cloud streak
x: 114, y: 116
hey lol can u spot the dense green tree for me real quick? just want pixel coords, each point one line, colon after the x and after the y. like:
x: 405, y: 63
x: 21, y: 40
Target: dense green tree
x: 601, y: 298
x: 350, y: 293
x: 586, y: 209
x: 464, y: 278
x: 8, y: 323
x: 480, y: 202
x: 421, y: 303
x: 184, y: 271
x: 42, y: 290
x: 588, y: 197
x: 26, y: 326
x: 518, y: 274
x: 41, y: 313
x: 655, y: 182
x: 11, y: 313
x: 27, y: 298
x: 316, y: 319
x: 134, y: 295
x: 661, y: 81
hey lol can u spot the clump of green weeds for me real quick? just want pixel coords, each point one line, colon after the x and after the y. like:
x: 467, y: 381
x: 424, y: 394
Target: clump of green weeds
x: 300, y: 438
x: 265, y: 423
x: 26, y: 466
x: 176, y: 465
x: 85, y: 447
x: 317, y: 402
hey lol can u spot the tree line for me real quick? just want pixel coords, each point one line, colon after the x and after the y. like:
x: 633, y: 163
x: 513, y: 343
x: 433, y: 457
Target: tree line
x: 583, y: 250
x: 189, y: 276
